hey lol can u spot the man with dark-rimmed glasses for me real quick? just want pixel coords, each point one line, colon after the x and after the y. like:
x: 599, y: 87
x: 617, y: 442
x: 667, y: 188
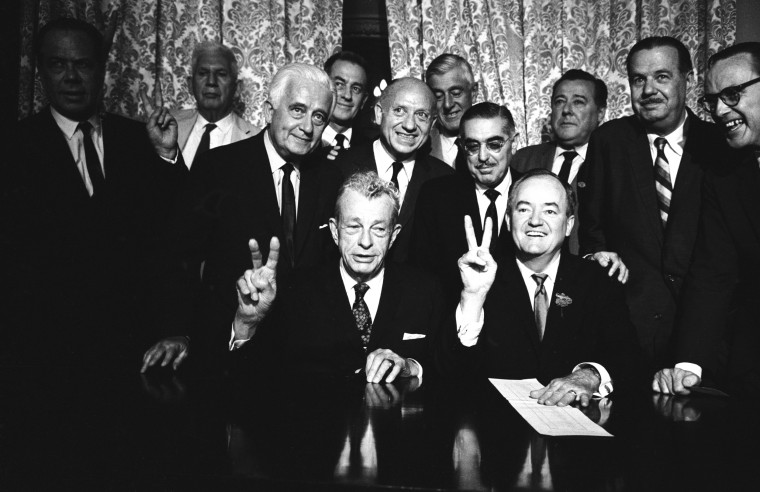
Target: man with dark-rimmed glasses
x: 718, y: 328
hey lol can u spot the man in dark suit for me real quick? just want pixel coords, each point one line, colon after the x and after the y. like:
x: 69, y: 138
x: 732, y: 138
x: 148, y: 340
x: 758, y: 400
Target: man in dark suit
x: 260, y: 187
x: 88, y: 193
x: 579, y: 101
x: 547, y: 314
x: 405, y: 112
x: 642, y: 195
x: 346, y: 316
x: 438, y: 241
x: 348, y: 72
x: 718, y: 338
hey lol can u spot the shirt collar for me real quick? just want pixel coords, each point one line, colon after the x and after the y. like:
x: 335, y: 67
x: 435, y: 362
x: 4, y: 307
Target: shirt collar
x: 550, y: 270
x: 328, y: 136
x: 502, y: 187
x: 676, y: 139
x: 375, y: 282
x: 69, y: 126
x: 275, y: 160
x: 580, y: 149
x: 224, y: 125
x: 447, y: 142
x: 384, y: 159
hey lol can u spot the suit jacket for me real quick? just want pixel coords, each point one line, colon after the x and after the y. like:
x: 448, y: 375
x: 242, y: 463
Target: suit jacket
x: 362, y: 158
x: 541, y: 156
x: 592, y: 326
x: 186, y: 119
x: 438, y: 238
x: 96, y: 254
x: 720, y: 307
x: 230, y: 199
x: 312, y: 329
x: 619, y: 212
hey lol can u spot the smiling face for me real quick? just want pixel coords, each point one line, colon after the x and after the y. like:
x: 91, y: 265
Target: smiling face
x: 351, y: 90
x: 658, y: 88
x: 454, y: 92
x: 71, y: 73
x: 538, y: 219
x: 487, y: 167
x: 296, y: 125
x: 574, y: 113
x: 364, y: 233
x: 405, y: 116
x: 213, y: 85
x: 741, y: 124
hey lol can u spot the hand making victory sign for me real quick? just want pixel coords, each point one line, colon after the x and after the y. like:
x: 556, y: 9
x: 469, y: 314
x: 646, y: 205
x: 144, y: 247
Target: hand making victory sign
x: 161, y: 125
x: 256, y: 290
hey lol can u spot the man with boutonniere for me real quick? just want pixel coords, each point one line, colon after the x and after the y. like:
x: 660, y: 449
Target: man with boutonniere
x: 548, y: 314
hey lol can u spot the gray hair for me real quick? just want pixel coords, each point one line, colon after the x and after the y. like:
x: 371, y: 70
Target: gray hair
x: 369, y: 185
x: 298, y: 71
x: 447, y: 62
x: 212, y: 47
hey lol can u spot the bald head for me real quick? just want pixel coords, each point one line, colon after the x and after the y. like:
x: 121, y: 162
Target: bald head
x: 405, y: 113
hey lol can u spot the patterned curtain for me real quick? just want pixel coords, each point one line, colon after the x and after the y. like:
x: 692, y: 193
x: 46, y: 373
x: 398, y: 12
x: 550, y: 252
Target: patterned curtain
x: 519, y: 48
x: 154, y: 39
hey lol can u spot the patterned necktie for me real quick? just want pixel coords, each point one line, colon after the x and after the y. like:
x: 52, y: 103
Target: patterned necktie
x: 288, y: 211
x: 564, y: 172
x: 662, y: 181
x: 340, y: 141
x: 492, y: 195
x: 361, y: 313
x: 92, y: 161
x: 203, y: 146
x: 397, y: 167
x: 540, y: 303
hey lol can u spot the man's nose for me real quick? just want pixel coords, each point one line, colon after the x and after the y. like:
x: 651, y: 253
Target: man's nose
x: 365, y: 239
x: 448, y: 101
x: 408, y: 123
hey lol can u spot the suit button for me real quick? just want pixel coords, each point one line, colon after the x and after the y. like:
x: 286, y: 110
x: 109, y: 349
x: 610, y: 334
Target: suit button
x: 658, y: 316
x: 670, y: 278
x: 581, y: 184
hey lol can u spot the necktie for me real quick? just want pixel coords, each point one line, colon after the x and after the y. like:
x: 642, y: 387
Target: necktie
x: 460, y: 162
x: 662, y: 181
x: 203, y: 146
x: 361, y: 313
x: 492, y: 194
x: 564, y: 172
x: 540, y: 303
x: 340, y: 141
x: 288, y: 211
x: 92, y: 161
x: 397, y: 167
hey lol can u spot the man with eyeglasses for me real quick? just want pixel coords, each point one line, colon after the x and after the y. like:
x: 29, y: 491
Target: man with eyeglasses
x: 718, y: 338
x: 579, y: 101
x: 487, y: 132
x: 348, y: 71
x: 639, y: 209
x: 405, y: 113
x: 268, y: 185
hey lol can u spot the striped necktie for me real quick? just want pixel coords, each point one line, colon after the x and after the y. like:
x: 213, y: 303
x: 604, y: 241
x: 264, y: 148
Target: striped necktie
x: 662, y: 180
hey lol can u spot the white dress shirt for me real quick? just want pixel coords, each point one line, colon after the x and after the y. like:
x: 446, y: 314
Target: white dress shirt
x: 578, y: 161
x: 384, y: 162
x: 221, y: 135
x: 449, y: 149
x: 74, y: 140
x: 328, y: 137
x: 275, y: 163
x: 673, y: 150
x: 501, y: 200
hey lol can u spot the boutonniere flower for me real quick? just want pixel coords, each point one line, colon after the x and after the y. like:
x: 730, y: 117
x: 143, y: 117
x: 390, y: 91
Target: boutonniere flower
x: 562, y: 300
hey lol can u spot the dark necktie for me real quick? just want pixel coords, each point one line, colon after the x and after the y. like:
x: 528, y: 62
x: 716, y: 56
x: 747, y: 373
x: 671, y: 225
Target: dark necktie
x: 288, y: 211
x: 203, y: 146
x: 361, y: 313
x: 540, y: 303
x: 92, y: 161
x: 460, y: 162
x: 340, y: 141
x: 397, y: 167
x: 662, y: 181
x: 567, y: 164
x: 492, y: 195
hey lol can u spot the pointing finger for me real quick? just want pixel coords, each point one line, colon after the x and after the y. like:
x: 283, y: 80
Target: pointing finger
x: 158, y: 95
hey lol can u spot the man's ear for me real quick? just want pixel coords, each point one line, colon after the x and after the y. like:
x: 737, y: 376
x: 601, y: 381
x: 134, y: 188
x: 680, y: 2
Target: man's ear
x: 600, y: 114
x: 378, y: 114
x: 570, y: 224
x: 508, y: 222
x: 268, y: 110
x: 474, y: 91
x: 334, y: 229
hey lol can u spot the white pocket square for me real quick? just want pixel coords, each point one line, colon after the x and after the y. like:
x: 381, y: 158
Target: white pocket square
x: 323, y: 226
x: 413, y: 336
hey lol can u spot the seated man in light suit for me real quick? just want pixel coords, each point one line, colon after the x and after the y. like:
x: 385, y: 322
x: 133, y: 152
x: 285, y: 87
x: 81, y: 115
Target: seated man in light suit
x: 212, y: 123
x: 547, y: 315
x: 579, y: 101
x: 338, y: 319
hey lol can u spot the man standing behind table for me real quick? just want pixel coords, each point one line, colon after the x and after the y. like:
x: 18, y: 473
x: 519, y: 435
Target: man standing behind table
x: 451, y: 79
x: 265, y: 186
x: 405, y: 113
x: 579, y: 101
x: 212, y: 123
x: 639, y: 209
x: 88, y: 195
x: 346, y: 316
x: 546, y: 314
x: 718, y: 338
x: 487, y: 131
x: 348, y: 72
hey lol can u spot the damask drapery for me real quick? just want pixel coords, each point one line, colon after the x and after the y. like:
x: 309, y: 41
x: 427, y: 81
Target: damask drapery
x: 155, y: 39
x: 519, y: 48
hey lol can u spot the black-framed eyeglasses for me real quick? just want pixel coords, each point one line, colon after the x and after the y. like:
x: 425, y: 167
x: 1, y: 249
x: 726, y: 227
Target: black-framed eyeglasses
x: 472, y: 147
x: 730, y: 96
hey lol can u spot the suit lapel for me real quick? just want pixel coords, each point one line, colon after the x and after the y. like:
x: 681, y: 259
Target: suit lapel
x: 184, y: 127
x: 640, y: 160
x: 262, y: 184
x: 749, y: 184
x: 563, y: 288
x: 390, y: 298
x: 688, y: 180
x: 61, y: 172
x: 522, y: 308
x: 420, y: 173
x: 307, y: 204
x: 338, y: 303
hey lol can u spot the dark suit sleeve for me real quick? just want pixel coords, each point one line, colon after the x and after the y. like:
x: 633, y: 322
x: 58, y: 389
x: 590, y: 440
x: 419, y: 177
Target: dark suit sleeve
x: 592, y: 198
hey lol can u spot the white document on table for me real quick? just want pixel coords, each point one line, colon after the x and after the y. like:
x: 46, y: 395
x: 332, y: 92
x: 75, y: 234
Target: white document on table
x: 546, y: 420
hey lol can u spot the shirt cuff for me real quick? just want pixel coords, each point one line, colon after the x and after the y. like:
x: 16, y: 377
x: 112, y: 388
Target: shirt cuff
x: 419, y: 368
x: 235, y: 344
x: 172, y: 161
x: 691, y: 367
x: 605, y: 384
x: 468, y: 330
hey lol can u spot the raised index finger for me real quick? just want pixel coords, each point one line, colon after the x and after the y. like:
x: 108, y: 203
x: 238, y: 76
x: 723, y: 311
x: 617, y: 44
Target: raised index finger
x: 253, y: 247
x: 274, y: 253
x: 158, y: 94
x: 143, y: 93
